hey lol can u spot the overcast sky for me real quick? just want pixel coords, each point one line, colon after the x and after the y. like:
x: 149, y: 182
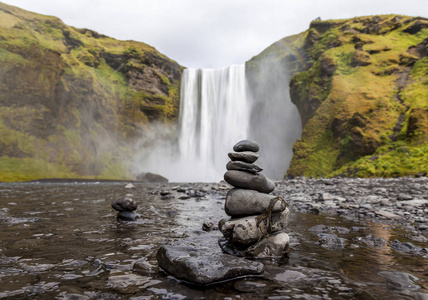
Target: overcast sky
x: 210, y: 33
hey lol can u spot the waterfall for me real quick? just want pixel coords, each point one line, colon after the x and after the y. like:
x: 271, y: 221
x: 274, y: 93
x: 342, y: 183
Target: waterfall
x: 218, y: 108
x: 214, y: 115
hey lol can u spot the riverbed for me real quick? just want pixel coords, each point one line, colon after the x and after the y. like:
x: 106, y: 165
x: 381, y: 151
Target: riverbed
x: 350, y: 239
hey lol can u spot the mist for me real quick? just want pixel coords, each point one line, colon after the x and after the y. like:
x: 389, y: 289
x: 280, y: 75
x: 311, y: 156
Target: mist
x: 275, y: 121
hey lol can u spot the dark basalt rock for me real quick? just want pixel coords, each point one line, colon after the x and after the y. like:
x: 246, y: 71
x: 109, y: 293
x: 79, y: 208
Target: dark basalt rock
x: 204, y: 267
x: 245, y: 156
x: 124, y: 204
x: 246, y: 180
x: 241, y: 203
x: 243, y: 166
x: 246, y: 145
x: 128, y: 216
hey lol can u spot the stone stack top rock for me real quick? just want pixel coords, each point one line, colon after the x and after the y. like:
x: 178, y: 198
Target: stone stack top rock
x: 126, y: 208
x: 246, y: 145
x: 124, y: 204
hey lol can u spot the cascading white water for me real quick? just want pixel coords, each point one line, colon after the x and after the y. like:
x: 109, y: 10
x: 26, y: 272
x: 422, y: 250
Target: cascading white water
x: 217, y: 110
x: 214, y: 115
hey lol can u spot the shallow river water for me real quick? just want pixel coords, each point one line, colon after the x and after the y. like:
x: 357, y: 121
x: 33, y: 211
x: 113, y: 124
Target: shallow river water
x: 62, y: 241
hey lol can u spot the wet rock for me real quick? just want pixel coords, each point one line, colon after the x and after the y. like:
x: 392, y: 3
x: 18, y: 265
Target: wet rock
x: 403, y: 196
x: 246, y: 156
x: 408, y: 248
x: 124, y: 204
x: 331, y: 241
x: 208, y: 226
x: 246, y: 180
x: 371, y: 241
x: 204, y: 267
x: 246, y: 145
x: 248, y: 230
x: 243, y: 166
x: 240, y: 202
x: 128, y: 283
x: 128, y: 216
x: 328, y: 229
x: 275, y: 245
x: 387, y: 214
x: 143, y: 267
x: 400, y: 280
x: 148, y: 177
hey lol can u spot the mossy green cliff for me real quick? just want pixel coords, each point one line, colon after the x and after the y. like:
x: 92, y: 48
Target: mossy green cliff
x: 361, y: 88
x: 72, y: 101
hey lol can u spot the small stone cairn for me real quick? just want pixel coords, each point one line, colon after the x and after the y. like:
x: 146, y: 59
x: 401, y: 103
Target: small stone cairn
x: 258, y: 219
x: 126, y: 209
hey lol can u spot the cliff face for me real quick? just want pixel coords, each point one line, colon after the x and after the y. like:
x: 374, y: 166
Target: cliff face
x: 72, y: 101
x: 361, y: 88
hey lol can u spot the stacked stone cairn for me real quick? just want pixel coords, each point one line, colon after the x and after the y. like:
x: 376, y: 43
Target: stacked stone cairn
x: 258, y: 219
x: 126, y: 209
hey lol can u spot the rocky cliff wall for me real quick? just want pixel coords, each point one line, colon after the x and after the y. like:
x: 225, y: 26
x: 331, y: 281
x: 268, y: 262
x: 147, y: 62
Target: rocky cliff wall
x: 361, y: 88
x: 72, y: 101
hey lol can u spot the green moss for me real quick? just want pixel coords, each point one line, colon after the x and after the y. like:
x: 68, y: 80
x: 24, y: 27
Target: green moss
x: 395, y: 159
x: 370, y: 89
x: 25, y: 169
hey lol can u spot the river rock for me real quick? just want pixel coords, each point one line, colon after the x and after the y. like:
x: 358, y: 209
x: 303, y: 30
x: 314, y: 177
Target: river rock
x: 275, y: 245
x: 243, y: 166
x: 204, y: 267
x: 246, y: 145
x: 250, y: 181
x: 241, y: 203
x: 244, y: 231
x: 246, y: 156
x: 124, y: 204
x: 128, y: 216
x: 396, y: 280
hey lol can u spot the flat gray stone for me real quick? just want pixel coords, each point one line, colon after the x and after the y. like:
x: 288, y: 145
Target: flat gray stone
x: 243, y: 166
x: 246, y: 145
x: 246, y: 156
x: 204, y: 267
x: 250, y: 181
x: 240, y: 202
x: 244, y: 231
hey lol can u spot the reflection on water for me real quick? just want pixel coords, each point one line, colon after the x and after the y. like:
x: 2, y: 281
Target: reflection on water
x: 62, y: 240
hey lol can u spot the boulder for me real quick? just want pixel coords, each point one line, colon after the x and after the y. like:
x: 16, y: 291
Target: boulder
x: 246, y: 156
x: 246, y: 145
x: 204, y: 267
x: 241, y: 202
x: 245, y: 231
x: 244, y: 180
x: 243, y: 166
x: 151, y: 177
x: 124, y: 204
